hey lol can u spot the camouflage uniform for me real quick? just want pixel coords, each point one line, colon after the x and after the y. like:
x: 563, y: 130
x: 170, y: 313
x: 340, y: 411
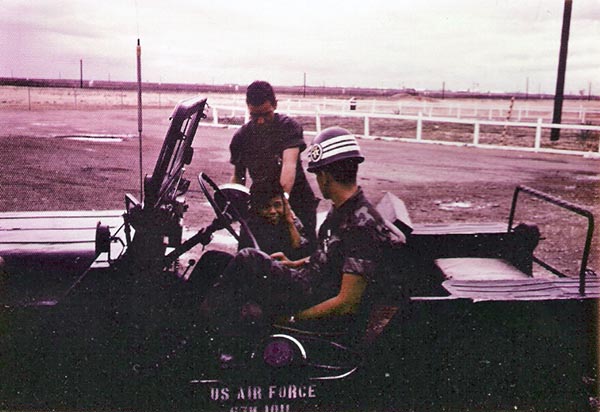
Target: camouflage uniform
x: 353, y: 239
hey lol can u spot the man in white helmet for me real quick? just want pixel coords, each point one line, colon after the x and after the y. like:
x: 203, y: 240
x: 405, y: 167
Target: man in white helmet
x: 334, y: 280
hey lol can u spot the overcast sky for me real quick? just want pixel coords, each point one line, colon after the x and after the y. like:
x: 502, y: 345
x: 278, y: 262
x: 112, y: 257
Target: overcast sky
x: 496, y: 45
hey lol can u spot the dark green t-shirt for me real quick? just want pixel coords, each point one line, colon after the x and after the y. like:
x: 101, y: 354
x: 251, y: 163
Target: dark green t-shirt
x: 260, y: 149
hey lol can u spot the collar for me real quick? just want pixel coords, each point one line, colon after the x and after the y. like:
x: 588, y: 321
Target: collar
x: 350, y: 203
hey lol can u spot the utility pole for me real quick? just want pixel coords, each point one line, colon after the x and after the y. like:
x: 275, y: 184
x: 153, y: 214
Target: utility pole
x: 159, y: 87
x: 81, y: 73
x: 304, y: 90
x: 562, y: 68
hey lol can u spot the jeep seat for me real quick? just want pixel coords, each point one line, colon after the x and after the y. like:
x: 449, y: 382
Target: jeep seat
x: 475, y: 268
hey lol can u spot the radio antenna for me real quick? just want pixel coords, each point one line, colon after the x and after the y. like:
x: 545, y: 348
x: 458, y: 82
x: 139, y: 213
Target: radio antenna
x: 139, y: 83
x: 137, y: 19
x: 139, y: 87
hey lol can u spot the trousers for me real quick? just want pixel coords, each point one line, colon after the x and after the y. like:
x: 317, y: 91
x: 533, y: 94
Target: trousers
x: 253, y: 290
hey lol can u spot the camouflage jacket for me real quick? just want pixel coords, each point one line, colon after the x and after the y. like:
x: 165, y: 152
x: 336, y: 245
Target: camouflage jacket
x: 353, y: 239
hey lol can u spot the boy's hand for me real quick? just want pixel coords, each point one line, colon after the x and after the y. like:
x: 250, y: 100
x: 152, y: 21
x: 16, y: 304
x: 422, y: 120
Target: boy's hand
x: 281, y: 257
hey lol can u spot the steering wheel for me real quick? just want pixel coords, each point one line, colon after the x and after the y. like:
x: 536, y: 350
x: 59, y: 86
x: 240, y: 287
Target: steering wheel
x: 228, y: 206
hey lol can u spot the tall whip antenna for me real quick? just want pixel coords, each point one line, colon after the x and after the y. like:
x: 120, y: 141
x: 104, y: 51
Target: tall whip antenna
x: 139, y: 82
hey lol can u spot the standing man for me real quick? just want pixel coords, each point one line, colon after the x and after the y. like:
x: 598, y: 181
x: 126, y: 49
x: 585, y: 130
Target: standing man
x: 268, y: 147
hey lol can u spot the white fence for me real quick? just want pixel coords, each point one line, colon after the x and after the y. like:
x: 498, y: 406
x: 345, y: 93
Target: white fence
x: 574, y: 111
x: 240, y: 112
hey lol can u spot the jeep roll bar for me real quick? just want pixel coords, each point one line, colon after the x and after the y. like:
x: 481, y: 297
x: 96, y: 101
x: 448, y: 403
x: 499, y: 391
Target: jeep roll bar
x: 567, y: 206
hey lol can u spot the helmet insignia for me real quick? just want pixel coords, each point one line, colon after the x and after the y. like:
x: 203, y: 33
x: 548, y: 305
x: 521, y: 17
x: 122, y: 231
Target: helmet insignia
x: 316, y: 151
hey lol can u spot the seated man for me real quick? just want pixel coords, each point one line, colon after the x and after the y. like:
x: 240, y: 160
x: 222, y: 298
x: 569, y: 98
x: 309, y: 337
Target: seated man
x: 273, y: 223
x: 255, y: 289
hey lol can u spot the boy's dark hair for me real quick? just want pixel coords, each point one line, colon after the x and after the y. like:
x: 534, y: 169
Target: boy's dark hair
x: 260, y: 92
x: 262, y: 191
x: 343, y: 171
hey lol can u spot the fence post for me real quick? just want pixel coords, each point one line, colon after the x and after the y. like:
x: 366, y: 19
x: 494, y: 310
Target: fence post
x: 419, y: 125
x: 476, y: 133
x: 538, y: 134
x: 508, y: 114
x: 318, y: 119
x: 366, y: 126
x: 215, y: 114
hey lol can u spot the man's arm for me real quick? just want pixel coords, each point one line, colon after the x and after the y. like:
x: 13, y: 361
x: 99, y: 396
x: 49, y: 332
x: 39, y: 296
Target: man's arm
x: 239, y: 175
x: 288, y: 168
x: 346, y: 302
x: 294, y: 264
x: 294, y: 226
x: 296, y: 239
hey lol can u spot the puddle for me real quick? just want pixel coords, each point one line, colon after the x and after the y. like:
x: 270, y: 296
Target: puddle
x: 455, y: 205
x: 113, y: 138
x: 46, y: 124
x: 588, y: 177
x: 94, y: 139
